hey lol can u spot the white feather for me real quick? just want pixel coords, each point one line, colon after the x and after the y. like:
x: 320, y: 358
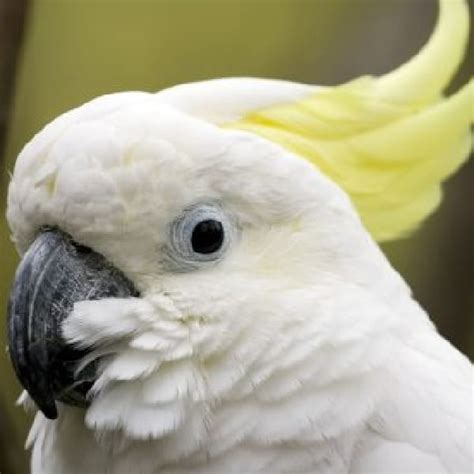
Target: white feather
x: 300, y: 351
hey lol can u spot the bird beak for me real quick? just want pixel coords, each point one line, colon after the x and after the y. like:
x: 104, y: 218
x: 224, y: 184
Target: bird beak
x: 54, y: 274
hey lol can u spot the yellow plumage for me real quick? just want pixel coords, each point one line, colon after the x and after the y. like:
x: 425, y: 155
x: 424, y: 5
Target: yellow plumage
x: 389, y: 142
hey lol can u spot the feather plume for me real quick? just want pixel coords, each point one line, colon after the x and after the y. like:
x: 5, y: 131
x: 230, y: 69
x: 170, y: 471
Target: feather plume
x: 389, y: 142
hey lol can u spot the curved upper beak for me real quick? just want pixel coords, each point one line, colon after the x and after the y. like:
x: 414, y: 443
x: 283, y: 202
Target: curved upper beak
x: 54, y: 274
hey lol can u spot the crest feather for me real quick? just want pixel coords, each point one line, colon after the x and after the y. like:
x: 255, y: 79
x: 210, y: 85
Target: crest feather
x: 389, y: 142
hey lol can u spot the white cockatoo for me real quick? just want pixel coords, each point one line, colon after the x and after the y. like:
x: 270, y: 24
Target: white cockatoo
x: 201, y: 290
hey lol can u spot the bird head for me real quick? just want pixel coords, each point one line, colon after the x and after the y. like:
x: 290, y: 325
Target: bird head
x: 186, y: 250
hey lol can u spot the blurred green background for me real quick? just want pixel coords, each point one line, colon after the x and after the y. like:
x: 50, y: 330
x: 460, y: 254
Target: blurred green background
x: 57, y: 54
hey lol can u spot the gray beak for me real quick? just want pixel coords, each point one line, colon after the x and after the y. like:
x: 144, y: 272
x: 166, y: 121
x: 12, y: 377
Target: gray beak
x: 54, y: 274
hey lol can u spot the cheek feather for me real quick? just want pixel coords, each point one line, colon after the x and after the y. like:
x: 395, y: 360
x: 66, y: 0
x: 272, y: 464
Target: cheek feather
x: 186, y: 361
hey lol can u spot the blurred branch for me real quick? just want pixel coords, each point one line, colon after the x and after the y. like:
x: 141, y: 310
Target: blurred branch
x: 12, y: 19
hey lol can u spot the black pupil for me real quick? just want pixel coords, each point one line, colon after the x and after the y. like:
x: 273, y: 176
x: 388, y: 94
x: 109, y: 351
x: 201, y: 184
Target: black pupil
x: 207, y: 237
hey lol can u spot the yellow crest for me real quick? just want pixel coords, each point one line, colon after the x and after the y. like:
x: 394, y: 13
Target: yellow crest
x: 389, y: 142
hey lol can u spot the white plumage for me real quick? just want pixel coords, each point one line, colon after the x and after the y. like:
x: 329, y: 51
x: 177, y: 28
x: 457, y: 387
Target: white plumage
x: 299, y: 350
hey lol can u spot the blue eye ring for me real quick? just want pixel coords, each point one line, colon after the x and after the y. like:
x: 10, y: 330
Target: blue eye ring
x: 200, y: 236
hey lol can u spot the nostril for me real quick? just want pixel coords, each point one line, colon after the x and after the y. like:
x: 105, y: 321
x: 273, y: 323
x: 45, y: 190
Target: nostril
x: 79, y: 248
x: 82, y: 249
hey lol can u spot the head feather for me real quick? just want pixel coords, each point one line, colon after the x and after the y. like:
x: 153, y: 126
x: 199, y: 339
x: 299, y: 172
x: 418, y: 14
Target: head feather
x: 389, y: 142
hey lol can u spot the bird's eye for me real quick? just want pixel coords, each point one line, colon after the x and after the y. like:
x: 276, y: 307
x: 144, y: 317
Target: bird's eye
x: 208, y: 236
x: 201, y: 234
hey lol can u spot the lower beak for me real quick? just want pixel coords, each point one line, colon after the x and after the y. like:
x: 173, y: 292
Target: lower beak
x: 54, y: 274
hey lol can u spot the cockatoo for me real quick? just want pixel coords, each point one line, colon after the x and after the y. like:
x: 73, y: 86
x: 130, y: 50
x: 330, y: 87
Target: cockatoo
x: 201, y: 290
